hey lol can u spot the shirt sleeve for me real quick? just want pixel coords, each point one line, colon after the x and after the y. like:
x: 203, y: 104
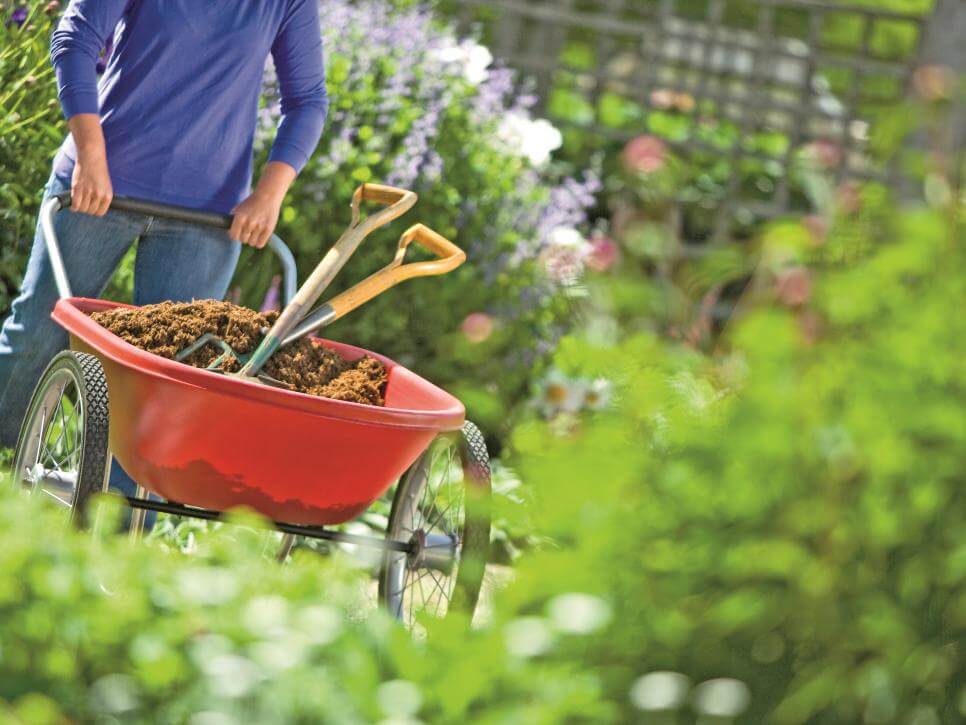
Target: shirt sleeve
x: 297, y: 53
x: 79, y: 38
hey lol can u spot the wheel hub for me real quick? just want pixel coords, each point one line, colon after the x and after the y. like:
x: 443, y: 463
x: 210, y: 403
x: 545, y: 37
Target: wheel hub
x: 433, y: 551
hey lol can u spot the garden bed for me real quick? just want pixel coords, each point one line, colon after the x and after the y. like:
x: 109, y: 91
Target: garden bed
x: 303, y: 366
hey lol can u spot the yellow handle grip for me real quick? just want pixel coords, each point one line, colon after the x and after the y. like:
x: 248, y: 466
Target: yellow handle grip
x: 381, y: 194
x: 449, y: 258
x: 396, y: 201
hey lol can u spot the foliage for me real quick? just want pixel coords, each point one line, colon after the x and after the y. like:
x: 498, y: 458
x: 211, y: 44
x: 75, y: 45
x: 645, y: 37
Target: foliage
x: 787, y: 510
x: 30, y: 129
x: 770, y: 533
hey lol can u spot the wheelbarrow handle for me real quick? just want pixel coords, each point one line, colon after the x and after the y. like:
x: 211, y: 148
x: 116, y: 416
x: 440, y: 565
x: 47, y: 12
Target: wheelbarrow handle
x: 166, y: 211
x: 150, y: 208
x: 449, y: 257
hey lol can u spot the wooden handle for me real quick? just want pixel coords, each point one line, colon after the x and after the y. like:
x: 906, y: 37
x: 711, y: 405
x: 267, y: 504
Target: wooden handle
x: 449, y: 258
x: 381, y: 194
x: 397, y: 201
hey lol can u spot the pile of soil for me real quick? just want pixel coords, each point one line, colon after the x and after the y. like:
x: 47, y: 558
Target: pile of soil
x: 303, y: 366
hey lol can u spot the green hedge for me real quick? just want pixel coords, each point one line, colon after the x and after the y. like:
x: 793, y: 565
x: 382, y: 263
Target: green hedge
x: 30, y: 131
x: 771, y: 534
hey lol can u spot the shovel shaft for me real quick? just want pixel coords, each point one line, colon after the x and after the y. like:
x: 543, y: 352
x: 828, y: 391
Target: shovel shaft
x: 398, y: 202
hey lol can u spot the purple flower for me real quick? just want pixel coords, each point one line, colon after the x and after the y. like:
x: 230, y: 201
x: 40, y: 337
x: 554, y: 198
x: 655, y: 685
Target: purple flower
x: 101, y: 65
x: 272, y: 299
x: 19, y: 16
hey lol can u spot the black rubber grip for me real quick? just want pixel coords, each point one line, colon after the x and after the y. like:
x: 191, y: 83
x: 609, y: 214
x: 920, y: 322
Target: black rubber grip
x: 151, y: 208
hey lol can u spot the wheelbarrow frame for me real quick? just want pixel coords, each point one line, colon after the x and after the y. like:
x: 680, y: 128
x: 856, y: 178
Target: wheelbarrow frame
x: 425, y: 550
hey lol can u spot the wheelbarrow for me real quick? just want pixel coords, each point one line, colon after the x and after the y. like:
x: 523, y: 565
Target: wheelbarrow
x: 311, y: 463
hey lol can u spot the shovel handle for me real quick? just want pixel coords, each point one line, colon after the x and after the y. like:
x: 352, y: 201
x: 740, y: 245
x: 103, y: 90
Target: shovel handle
x: 396, y: 202
x: 448, y: 258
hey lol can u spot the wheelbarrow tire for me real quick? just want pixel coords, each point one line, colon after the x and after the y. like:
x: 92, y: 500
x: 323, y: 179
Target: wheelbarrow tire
x: 470, y: 449
x: 87, y: 454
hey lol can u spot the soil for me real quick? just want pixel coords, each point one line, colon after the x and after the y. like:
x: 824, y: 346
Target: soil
x: 303, y: 366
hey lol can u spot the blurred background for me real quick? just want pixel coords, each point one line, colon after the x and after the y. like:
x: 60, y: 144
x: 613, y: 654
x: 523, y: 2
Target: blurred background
x: 711, y: 327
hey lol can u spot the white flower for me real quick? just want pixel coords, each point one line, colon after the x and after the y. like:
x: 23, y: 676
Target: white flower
x: 577, y: 613
x: 565, y: 255
x: 660, y: 691
x: 528, y: 637
x: 559, y: 394
x: 599, y: 394
x: 566, y: 237
x: 534, y: 140
x: 721, y: 697
x: 473, y: 59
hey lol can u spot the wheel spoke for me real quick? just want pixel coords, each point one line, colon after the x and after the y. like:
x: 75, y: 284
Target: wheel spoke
x: 431, y: 503
x: 437, y: 588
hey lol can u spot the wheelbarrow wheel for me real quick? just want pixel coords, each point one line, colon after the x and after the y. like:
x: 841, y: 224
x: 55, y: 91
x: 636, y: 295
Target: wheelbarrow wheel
x: 442, y: 507
x: 63, y: 446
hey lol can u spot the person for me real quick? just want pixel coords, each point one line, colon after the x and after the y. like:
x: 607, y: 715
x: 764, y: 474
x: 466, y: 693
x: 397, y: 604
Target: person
x: 171, y: 120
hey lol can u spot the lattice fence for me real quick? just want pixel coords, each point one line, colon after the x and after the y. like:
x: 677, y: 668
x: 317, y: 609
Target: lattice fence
x: 777, y: 74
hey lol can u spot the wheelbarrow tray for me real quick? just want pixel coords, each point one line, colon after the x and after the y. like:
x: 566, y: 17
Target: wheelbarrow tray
x: 212, y: 441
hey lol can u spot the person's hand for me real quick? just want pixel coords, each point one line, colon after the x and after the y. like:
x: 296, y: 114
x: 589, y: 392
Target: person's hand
x: 255, y: 219
x: 90, y: 187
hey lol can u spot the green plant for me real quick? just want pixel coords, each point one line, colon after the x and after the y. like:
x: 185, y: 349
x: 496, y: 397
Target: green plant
x: 30, y: 129
x: 786, y: 512
x: 769, y: 534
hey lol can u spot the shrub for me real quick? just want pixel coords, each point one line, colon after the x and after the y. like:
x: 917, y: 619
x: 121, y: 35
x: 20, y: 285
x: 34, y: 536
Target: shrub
x: 786, y: 513
x: 30, y: 130
x: 767, y: 535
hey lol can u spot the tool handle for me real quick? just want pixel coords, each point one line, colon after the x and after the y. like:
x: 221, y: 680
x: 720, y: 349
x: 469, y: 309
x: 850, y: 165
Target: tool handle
x: 449, y: 257
x: 396, y: 202
x: 51, y: 206
x: 381, y: 194
x: 164, y: 211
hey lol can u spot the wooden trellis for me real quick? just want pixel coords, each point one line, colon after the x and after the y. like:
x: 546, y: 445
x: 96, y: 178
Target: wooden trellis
x: 759, y: 66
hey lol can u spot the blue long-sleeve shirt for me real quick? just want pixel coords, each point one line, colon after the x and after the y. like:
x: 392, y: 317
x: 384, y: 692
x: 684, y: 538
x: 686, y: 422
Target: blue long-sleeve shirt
x: 178, y: 100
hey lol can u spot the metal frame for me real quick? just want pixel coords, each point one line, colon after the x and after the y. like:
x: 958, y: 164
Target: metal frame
x: 428, y: 551
x: 752, y: 75
x: 52, y: 205
x: 141, y: 504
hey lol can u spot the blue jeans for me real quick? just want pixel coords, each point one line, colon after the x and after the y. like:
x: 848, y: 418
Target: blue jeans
x: 175, y: 261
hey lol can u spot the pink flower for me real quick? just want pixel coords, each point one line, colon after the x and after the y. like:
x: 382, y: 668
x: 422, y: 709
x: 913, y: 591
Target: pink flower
x: 645, y: 155
x: 934, y: 82
x: 477, y: 327
x: 793, y: 286
x: 848, y: 197
x: 603, y: 254
x: 272, y: 299
x: 825, y: 153
x: 662, y: 98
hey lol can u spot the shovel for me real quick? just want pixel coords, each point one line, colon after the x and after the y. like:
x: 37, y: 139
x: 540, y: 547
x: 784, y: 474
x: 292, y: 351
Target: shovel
x: 296, y: 321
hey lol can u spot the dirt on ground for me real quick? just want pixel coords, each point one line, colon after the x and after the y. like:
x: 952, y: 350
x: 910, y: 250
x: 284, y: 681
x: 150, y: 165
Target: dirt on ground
x: 303, y: 366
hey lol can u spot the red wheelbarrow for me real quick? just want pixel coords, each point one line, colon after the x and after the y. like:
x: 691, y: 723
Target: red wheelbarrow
x: 182, y: 433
